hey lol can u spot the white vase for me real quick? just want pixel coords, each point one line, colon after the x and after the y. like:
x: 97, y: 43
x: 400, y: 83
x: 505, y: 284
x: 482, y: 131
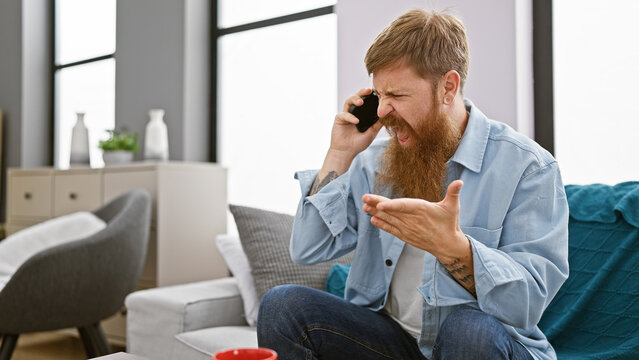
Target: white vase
x: 79, y: 142
x: 112, y: 157
x: 156, y: 138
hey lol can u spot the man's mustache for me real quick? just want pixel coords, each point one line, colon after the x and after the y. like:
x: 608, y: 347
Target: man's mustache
x: 392, y: 121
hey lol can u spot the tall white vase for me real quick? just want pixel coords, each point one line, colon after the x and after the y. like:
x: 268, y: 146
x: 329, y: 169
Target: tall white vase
x: 156, y: 138
x: 79, y: 142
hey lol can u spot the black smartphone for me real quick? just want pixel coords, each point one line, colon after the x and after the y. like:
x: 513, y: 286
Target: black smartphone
x: 367, y: 113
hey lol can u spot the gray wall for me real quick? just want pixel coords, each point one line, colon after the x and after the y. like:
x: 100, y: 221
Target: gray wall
x: 162, y: 61
x: 25, y: 90
x: 11, y: 79
x: 500, y: 37
x: 197, y: 91
x: 10, y: 90
x: 149, y: 66
x: 36, y: 84
x: 24, y: 75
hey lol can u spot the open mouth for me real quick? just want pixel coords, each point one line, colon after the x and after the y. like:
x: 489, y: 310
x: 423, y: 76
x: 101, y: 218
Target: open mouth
x: 403, y: 137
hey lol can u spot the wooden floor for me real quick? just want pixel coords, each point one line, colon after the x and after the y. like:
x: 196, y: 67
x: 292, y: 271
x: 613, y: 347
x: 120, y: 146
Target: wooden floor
x: 55, y: 345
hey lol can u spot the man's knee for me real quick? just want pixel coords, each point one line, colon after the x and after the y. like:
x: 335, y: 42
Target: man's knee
x: 471, y: 332
x: 279, y: 300
x: 289, y: 303
x: 278, y: 295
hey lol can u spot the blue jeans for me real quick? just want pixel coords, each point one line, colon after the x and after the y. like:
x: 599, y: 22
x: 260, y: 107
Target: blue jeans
x: 303, y: 323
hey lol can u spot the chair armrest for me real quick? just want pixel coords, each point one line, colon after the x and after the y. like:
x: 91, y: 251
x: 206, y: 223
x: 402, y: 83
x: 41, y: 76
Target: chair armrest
x: 155, y: 316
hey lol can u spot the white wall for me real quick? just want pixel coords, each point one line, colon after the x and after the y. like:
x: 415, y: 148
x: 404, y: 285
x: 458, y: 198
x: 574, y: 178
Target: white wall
x: 500, y: 37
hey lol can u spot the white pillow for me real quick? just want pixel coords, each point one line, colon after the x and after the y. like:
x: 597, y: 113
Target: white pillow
x: 19, y: 247
x: 235, y: 258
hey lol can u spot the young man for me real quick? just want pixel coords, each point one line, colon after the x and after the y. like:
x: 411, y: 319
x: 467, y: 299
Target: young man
x: 459, y: 223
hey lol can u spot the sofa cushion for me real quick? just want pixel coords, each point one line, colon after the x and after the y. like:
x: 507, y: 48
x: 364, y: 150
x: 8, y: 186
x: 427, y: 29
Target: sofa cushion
x: 235, y: 258
x: 155, y: 316
x: 265, y: 237
x: 336, y: 279
x: 209, y: 341
x: 19, y: 247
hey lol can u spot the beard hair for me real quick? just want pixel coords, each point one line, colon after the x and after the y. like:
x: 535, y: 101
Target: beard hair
x: 418, y: 170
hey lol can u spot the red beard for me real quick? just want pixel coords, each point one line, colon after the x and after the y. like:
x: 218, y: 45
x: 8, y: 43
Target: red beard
x: 419, y: 169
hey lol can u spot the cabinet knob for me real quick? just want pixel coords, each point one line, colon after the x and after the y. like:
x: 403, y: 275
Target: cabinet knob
x: 73, y: 196
x: 27, y: 195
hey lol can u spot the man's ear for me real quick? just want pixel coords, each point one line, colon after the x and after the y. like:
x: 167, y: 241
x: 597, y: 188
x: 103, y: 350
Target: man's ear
x: 450, y: 83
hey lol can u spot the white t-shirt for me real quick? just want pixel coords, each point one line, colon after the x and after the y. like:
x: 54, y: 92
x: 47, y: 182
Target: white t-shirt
x: 404, y: 303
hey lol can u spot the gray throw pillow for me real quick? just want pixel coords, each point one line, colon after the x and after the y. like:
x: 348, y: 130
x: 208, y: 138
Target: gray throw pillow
x: 265, y: 238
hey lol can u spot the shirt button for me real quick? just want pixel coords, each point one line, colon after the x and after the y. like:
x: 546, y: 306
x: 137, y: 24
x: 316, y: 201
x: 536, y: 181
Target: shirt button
x: 389, y: 262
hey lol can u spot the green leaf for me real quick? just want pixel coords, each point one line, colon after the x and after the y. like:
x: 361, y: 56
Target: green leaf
x: 120, y: 140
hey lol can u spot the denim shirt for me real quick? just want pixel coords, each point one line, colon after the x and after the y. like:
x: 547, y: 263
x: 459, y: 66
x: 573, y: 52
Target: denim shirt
x: 513, y: 211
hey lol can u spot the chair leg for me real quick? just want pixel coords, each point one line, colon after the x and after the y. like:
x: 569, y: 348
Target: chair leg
x: 9, y: 342
x: 98, y: 339
x: 89, y: 349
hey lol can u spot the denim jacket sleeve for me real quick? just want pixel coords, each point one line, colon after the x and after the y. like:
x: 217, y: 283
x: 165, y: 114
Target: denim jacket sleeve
x: 324, y: 227
x: 516, y: 281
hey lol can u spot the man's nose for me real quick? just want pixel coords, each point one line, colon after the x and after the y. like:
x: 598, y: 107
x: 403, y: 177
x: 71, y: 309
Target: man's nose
x: 384, y: 108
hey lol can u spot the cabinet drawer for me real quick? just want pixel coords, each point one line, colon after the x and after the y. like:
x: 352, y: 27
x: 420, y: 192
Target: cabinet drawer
x: 78, y: 192
x: 30, y: 196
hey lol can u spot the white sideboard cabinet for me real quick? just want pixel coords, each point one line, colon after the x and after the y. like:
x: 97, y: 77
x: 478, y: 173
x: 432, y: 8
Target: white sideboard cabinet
x: 189, y: 210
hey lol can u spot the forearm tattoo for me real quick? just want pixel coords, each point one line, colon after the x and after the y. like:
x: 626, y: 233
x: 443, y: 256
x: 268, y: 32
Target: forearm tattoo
x: 319, y: 184
x: 463, y: 274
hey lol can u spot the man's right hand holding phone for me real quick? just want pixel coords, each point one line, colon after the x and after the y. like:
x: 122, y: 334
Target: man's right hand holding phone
x: 346, y: 142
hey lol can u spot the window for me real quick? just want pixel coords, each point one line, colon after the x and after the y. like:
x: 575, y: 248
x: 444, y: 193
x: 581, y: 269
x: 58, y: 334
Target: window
x: 239, y: 12
x: 277, y: 97
x: 595, y: 75
x: 84, y: 78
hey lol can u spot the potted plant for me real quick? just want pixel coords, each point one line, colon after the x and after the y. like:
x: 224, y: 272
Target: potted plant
x: 119, y: 147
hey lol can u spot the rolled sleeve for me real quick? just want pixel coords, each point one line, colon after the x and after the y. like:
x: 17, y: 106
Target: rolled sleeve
x: 321, y: 220
x: 306, y: 179
x: 444, y: 290
x: 331, y: 204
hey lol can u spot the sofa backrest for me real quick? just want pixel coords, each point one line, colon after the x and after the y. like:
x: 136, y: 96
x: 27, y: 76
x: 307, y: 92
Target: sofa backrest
x: 596, y: 312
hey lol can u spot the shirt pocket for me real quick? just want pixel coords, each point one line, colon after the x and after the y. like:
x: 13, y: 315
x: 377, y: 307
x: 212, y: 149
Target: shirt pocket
x: 488, y: 237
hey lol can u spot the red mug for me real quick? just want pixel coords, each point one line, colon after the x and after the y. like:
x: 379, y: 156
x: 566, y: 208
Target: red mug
x: 246, y: 354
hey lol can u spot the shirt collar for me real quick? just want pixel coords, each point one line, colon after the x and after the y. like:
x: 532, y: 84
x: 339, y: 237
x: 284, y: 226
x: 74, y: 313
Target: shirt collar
x: 470, y: 152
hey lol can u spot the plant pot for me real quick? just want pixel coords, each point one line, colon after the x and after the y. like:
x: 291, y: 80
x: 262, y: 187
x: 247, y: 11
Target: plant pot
x: 117, y: 157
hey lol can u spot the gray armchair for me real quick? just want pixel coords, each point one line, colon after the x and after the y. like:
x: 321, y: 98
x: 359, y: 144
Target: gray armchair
x: 80, y: 283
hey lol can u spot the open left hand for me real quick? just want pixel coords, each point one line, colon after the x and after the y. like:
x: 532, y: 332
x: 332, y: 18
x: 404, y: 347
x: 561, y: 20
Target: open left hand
x: 433, y: 227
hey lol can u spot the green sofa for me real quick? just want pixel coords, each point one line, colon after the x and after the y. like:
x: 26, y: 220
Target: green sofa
x: 595, y: 315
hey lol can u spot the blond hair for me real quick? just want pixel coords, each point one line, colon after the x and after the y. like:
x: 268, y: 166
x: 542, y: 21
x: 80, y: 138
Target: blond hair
x: 431, y: 42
